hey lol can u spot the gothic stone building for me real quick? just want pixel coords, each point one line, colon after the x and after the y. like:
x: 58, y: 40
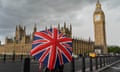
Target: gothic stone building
x: 21, y: 44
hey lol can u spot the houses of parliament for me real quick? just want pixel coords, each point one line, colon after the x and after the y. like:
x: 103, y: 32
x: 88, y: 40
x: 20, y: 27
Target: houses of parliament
x: 22, y: 43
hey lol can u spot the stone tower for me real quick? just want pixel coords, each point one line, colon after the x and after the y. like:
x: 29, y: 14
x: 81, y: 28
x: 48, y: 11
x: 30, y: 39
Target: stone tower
x: 34, y: 30
x: 20, y: 32
x: 99, y: 30
x: 66, y: 30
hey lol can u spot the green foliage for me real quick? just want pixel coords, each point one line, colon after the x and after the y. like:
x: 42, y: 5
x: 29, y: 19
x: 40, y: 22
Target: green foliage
x: 114, y: 49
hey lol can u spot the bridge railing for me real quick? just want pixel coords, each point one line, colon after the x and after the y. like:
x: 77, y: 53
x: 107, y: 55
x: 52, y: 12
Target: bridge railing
x: 79, y: 64
x: 89, y: 64
x: 14, y: 57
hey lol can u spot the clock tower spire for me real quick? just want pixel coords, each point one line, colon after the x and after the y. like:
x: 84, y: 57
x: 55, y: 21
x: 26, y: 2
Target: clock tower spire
x: 98, y: 5
x: 99, y: 29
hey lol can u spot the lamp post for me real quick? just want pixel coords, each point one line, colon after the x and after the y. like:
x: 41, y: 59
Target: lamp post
x: 13, y: 58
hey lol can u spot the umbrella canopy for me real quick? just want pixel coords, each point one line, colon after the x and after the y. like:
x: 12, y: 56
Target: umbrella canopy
x: 52, y: 48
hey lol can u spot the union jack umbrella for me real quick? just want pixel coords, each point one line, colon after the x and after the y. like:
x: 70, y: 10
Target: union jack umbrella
x: 52, y: 48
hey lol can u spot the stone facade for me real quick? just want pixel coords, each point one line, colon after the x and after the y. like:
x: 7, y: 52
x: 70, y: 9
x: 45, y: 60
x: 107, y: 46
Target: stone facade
x: 99, y: 29
x: 81, y: 46
x: 21, y: 44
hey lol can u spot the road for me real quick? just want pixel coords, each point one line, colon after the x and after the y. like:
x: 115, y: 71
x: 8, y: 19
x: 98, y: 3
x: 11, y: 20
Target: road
x: 18, y: 66
x: 114, y: 68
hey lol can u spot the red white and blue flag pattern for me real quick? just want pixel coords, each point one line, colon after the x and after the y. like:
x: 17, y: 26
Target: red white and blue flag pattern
x: 52, y: 48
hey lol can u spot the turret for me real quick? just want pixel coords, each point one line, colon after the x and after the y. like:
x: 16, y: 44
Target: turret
x: 64, y: 25
x: 16, y: 28
x: 71, y: 29
x: 35, y: 29
x: 24, y: 28
x: 59, y: 26
x: 0, y: 42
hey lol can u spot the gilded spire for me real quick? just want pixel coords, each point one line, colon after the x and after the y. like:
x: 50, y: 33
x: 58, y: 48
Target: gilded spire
x: 98, y: 2
x: 98, y: 5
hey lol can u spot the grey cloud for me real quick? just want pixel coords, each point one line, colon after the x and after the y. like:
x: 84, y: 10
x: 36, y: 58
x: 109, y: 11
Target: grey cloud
x: 45, y: 13
x: 22, y: 11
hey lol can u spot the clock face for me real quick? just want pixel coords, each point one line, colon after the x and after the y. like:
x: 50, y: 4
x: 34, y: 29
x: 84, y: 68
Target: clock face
x: 97, y: 17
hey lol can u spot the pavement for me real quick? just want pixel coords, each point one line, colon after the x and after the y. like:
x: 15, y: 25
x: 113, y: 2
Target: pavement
x: 114, y: 67
x: 18, y: 66
x: 11, y: 67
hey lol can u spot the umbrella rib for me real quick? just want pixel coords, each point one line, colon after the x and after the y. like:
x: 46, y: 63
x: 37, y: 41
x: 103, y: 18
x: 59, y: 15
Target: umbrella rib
x: 39, y: 41
x: 65, y: 52
x: 67, y: 46
x: 52, y: 57
x: 53, y: 53
x: 49, y: 32
x: 60, y: 57
x: 64, y: 40
x: 61, y: 35
x: 43, y: 35
x: 40, y: 47
x: 44, y: 55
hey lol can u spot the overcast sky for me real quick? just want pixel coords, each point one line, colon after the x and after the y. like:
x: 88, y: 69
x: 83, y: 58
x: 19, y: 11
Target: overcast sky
x: 44, y: 13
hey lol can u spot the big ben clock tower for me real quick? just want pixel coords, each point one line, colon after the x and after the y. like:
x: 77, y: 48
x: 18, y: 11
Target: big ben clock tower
x: 99, y: 30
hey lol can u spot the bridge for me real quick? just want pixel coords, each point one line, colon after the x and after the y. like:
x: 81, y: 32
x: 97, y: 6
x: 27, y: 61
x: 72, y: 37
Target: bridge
x: 80, y: 64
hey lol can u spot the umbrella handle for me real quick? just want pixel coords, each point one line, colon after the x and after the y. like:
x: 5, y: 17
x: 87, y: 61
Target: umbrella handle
x: 40, y: 67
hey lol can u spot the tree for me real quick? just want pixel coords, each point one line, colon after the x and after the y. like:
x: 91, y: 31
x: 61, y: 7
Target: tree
x: 113, y: 49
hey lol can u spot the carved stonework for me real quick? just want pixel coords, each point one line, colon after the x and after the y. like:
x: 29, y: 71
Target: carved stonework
x: 99, y: 28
